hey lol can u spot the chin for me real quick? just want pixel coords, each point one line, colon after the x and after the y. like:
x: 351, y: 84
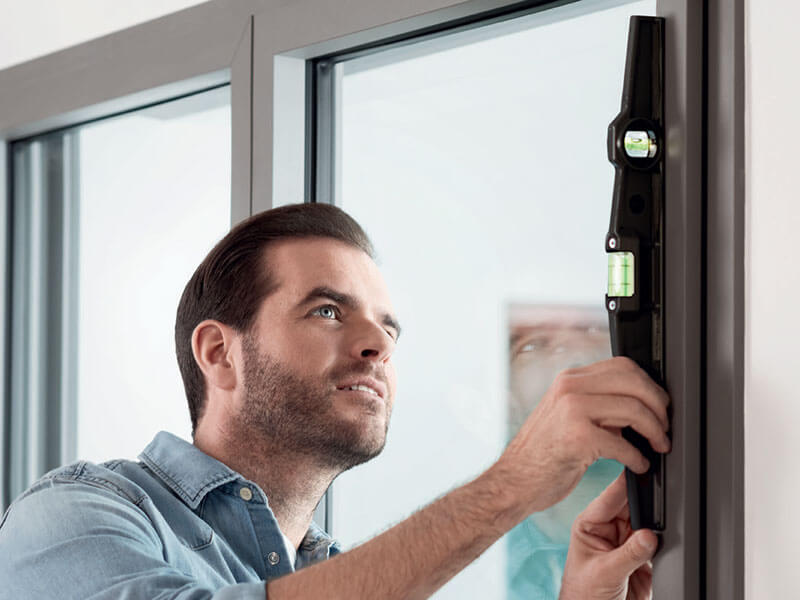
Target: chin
x: 370, y: 441
x: 357, y: 445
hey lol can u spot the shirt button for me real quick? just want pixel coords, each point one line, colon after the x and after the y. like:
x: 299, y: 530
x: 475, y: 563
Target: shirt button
x: 246, y: 494
x: 273, y: 558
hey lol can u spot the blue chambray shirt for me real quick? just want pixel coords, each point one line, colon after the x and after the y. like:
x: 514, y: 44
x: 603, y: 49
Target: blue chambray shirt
x: 178, y: 525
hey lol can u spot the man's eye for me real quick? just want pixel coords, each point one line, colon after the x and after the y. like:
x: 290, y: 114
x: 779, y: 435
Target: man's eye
x: 327, y: 312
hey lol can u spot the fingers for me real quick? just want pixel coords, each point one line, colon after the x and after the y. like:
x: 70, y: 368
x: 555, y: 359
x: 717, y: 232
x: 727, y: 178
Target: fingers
x: 640, y: 584
x: 619, y: 376
x: 614, y: 394
x: 632, y: 555
x: 610, y: 445
x: 608, y: 505
x: 624, y: 411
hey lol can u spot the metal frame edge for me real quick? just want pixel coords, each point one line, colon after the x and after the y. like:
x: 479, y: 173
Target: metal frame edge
x: 725, y: 297
x: 678, y: 568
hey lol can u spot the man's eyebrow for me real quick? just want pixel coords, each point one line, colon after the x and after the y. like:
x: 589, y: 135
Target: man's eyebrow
x: 348, y: 301
x: 331, y: 294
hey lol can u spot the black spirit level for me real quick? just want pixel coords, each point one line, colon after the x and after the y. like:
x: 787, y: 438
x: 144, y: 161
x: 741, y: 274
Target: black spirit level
x: 635, y: 245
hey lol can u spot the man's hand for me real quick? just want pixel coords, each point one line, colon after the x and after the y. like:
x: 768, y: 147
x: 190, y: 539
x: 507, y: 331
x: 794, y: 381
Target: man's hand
x: 606, y: 559
x: 579, y: 420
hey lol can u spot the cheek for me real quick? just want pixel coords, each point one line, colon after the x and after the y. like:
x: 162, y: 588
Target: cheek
x: 317, y: 356
x: 305, y: 352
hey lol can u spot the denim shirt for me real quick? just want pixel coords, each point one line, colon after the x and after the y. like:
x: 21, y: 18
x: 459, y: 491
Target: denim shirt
x: 178, y: 525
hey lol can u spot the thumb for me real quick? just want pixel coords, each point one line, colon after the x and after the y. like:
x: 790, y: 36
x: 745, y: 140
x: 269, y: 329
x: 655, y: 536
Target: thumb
x: 636, y: 551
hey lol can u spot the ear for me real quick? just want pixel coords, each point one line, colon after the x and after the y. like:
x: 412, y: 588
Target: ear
x: 212, y: 346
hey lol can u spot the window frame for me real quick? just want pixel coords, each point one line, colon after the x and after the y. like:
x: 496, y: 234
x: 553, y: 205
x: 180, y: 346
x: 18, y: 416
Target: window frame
x: 725, y: 297
x: 164, y: 59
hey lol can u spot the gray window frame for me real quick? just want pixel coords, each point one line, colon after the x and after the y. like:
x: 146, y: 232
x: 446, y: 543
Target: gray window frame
x: 724, y: 294
x: 43, y: 308
x: 263, y: 48
x: 161, y: 60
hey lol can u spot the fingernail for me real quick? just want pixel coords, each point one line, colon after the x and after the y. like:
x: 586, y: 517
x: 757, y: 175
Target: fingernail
x: 647, y: 543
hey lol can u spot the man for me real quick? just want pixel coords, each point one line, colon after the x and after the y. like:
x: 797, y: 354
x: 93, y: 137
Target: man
x: 284, y: 338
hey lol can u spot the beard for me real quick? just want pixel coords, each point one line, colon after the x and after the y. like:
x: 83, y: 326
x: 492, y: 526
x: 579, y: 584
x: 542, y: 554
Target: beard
x: 298, y: 413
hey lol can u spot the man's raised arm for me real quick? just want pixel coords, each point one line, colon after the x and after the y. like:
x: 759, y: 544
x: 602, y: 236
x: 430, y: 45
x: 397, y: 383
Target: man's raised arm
x: 578, y: 421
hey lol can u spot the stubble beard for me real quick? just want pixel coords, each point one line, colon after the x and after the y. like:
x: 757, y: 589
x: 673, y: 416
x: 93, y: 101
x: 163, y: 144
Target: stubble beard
x: 298, y: 413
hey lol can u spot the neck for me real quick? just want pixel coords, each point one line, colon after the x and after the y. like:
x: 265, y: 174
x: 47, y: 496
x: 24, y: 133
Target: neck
x: 293, y: 483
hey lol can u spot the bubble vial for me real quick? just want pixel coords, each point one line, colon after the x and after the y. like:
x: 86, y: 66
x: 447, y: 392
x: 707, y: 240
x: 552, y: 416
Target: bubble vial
x: 640, y: 144
x: 620, y: 274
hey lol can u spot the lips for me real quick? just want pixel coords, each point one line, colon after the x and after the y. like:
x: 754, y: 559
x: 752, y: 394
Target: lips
x: 359, y: 383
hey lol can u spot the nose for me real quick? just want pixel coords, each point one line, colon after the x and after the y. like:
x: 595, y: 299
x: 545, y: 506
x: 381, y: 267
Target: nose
x: 371, y: 342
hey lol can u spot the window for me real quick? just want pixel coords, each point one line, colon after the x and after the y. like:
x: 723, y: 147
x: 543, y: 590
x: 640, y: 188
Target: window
x: 364, y: 63
x: 154, y: 188
x: 111, y: 219
x: 482, y: 143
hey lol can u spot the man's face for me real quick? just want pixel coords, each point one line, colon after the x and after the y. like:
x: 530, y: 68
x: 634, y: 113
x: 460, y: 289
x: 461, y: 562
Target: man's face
x: 318, y: 375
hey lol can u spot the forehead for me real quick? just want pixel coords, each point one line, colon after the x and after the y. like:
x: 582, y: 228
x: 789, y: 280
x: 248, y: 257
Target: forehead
x: 300, y: 265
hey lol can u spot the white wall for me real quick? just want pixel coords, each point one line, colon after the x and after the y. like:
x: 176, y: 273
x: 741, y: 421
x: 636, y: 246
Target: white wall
x: 772, y: 402
x: 32, y: 28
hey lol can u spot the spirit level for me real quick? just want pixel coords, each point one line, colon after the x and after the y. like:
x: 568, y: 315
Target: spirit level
x: 635, y: 299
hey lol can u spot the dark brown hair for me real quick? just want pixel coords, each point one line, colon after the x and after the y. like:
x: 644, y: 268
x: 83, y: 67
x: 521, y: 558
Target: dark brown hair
x: 234, y: 278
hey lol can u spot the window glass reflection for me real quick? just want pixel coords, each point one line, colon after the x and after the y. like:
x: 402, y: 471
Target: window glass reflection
x: 543, y: 341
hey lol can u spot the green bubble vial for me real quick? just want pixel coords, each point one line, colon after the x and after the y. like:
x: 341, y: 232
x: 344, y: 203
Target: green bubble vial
x: 640, y: 144
x: 620, y: 274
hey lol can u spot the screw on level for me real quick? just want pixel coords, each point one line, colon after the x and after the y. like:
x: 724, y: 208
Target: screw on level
x: 612, y: 305
x: 612, y: 243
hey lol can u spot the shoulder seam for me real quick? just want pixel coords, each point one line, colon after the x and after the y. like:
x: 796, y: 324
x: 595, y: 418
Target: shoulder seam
x: 100, y: 482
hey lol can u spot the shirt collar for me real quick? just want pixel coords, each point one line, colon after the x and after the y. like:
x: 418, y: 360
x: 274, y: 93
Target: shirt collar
x: 315, y: 547
x: 191, y: 474
x: 184, y: 468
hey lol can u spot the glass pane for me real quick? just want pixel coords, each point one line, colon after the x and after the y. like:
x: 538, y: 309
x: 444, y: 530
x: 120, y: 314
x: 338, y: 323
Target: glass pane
x: 477, y: 163
x: 154, y: 195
